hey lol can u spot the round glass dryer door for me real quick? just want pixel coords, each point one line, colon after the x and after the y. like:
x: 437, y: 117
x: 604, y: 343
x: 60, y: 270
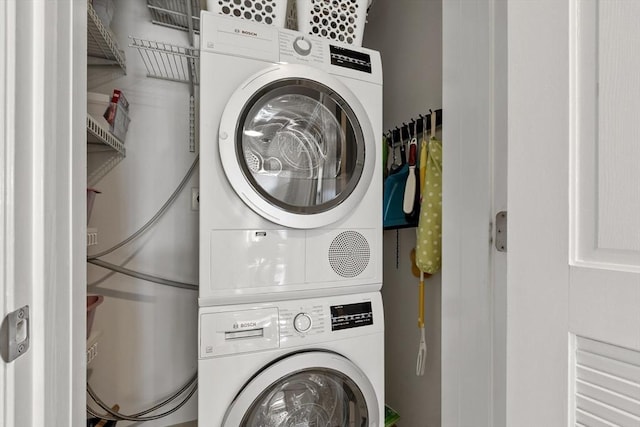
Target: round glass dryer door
x: 298, y: 150
x: 309, y: 389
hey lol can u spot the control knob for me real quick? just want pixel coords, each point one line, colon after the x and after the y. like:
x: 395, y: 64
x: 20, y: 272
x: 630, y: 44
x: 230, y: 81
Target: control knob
x: 302, y: 322
x: 302, y: 46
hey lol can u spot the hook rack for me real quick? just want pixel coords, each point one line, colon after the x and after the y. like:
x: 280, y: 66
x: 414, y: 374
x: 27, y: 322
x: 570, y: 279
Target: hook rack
x: 403, y: 133
x: 395, y: 178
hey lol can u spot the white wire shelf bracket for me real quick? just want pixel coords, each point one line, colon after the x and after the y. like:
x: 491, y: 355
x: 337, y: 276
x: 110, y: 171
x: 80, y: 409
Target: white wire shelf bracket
x: 102, y: 136
x: 92, y: 346
x: 92, y: 236
x: 104, y: 151
x: 100, y: 43
x: 174, y: 13
x: 98, y: 169
x: 168, y: 62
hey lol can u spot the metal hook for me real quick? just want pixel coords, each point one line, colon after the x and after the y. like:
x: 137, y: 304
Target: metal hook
x: 424, y: 127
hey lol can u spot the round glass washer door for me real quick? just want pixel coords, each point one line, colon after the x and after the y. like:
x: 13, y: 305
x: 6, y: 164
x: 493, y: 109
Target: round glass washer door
x: 312, y: 389
x: 297, y: 150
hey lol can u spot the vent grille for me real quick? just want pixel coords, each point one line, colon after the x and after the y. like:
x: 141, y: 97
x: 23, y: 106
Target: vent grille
x: 271, y: 12
x: 607, y: 384
x: 349, y: 254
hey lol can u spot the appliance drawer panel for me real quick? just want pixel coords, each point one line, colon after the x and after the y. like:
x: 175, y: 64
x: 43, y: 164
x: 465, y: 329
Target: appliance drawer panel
x: 256, y: 258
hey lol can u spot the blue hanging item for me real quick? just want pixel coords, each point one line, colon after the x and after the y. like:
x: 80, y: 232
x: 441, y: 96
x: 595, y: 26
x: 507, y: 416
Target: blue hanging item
x: 393, y: 215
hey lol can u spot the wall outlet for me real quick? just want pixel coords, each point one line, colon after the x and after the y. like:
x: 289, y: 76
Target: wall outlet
x: 195, y: 199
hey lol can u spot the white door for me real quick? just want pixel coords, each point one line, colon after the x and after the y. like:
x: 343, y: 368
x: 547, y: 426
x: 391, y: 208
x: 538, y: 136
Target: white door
x: 42, y: 220
x: 574, y: 213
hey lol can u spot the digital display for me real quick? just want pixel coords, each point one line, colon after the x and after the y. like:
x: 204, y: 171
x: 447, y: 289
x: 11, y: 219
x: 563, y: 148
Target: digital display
x: 348, y: 58
x: 351, y: 315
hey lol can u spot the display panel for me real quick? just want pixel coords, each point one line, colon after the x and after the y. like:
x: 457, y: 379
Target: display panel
x: 351, y: 315
x: 348, y: 58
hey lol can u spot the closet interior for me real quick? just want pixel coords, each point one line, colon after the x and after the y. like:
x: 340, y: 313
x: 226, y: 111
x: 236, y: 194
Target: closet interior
x: 143, y: 343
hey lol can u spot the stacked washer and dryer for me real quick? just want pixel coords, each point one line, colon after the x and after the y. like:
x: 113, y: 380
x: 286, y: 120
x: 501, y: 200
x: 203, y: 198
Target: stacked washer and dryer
x: 290, y: 315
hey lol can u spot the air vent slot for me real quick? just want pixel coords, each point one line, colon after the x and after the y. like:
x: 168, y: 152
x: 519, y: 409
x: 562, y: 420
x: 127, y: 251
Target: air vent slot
x: 607, y: 384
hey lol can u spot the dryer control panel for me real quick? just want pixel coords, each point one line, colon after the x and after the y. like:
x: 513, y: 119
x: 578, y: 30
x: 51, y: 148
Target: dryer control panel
x: 257, y: 41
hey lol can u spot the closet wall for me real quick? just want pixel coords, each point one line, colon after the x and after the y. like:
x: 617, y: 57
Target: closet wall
x: 148, y: 347
x: 408, y: 34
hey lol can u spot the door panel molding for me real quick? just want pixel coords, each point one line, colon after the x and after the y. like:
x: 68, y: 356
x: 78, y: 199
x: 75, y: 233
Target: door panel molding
x: 605, y: 130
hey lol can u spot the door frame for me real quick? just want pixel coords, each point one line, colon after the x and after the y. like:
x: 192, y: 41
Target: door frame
x: 42, y: 193
x: 474, y: 189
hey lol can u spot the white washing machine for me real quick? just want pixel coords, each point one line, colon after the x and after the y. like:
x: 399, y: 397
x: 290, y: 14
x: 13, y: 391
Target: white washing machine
x: 291, y: 167
x: 312, y: 362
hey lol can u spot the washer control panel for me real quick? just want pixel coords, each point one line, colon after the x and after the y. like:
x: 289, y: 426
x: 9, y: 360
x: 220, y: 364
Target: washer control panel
x: 300, y: 49
x: 266, y: 326
x: 302, y: 320
x: 316, y: 320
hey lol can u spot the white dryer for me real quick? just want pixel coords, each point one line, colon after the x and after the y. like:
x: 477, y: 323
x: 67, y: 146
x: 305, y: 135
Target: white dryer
x: 291, y: 167
x: 315, y: 362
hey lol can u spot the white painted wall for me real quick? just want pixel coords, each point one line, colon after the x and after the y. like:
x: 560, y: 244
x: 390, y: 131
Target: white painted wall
x: 148, y: 348
x: 408, y: 34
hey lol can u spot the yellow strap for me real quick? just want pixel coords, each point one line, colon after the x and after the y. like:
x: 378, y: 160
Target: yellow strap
x: 421, y: 303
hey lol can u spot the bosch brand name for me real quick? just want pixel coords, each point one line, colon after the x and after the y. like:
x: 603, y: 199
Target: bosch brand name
x: 246, y: 33
x: 243, y: 325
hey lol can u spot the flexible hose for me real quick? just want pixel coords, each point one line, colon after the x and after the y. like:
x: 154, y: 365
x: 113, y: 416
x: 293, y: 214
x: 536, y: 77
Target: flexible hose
x: 116, y: 416
x: 143, y: 276
x: 93, y: 259
x: 156, y: 217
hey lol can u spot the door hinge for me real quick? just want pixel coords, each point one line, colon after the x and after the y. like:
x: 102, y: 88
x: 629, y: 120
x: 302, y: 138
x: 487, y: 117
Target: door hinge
x: 501, y: 231
x: 15, y: 330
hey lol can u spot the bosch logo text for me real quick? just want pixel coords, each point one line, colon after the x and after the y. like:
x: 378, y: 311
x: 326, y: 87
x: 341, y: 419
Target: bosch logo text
x: 246, y: 33
x: 243, y: 325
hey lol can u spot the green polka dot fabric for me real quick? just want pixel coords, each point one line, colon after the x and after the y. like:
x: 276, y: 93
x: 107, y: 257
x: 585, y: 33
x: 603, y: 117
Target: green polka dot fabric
x: 429, y: 232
